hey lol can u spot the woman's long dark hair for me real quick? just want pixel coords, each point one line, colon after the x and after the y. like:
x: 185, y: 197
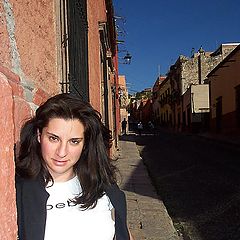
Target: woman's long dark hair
x: 94, y: 168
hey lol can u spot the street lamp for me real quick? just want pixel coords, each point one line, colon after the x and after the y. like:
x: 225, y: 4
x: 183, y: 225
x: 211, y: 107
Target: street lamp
x: 127, y: 58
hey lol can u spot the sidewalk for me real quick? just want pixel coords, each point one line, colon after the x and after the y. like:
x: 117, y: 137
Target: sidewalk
x: 147, y: 215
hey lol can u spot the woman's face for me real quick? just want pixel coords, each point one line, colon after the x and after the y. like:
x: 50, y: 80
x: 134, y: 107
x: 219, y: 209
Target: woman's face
x: 62, y: 143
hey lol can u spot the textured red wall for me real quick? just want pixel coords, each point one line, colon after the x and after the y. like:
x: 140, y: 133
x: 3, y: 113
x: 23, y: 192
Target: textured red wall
x: 35, y: 35
x: 28, y: 75
x: 29, y: 54
x: 96, y: 14
x: 8, y: 229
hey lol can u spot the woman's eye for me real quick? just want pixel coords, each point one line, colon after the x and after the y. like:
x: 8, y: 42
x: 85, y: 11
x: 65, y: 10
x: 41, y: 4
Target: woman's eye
x: 53, y: 139
x: 75, y: 142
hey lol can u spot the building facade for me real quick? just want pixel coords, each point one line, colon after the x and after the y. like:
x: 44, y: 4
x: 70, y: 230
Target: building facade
x: 224, y: 84
x: 195, y: 108
x: 145, y: 111
x: 165, y: 103
x: 156, y: 99
x: 192, y: 71
x: 123, y: 98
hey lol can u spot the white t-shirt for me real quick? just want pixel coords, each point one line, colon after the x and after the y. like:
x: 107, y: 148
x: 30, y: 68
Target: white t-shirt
x: 66, y: 221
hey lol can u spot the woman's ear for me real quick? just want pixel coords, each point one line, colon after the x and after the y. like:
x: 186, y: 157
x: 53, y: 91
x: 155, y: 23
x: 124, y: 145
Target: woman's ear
x: 38, y: 136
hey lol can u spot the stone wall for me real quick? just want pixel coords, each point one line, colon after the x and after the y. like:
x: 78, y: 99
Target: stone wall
x: 195, y: 70
x: 189, y: 73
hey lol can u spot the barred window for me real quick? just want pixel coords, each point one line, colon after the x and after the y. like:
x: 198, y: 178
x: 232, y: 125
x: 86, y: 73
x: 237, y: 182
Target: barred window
x: 74, y: 47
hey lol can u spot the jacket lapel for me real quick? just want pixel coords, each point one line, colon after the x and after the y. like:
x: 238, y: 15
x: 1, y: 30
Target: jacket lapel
x: 118, y: 201
x: 34, y: 198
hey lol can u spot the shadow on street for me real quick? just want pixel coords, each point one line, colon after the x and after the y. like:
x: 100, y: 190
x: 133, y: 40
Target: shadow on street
x: 198, y: 181
x: 137, y: 182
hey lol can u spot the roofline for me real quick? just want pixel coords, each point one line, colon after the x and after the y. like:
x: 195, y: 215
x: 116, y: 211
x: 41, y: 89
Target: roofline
x: 164, y: 81
x: 229, y: 44
x: 231, y: 54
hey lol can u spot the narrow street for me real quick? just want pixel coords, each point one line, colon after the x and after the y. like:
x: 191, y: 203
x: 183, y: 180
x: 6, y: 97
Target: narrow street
x: 199, y: 182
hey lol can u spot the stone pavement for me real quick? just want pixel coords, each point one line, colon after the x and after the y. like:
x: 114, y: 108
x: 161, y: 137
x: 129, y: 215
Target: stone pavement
x: 147, y: 215
x: 231, y: 140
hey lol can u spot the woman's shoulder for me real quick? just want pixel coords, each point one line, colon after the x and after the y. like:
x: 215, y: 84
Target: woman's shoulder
x: 21, y: 181
x: 113, y: 189
x: 30, y: 190
x: 116, y: 195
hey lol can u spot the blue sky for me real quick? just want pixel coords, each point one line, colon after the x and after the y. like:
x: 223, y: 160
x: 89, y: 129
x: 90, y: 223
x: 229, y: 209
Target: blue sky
x: 156, y: 32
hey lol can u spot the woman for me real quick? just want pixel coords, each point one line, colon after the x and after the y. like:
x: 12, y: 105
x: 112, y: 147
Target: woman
x: 65, y: 181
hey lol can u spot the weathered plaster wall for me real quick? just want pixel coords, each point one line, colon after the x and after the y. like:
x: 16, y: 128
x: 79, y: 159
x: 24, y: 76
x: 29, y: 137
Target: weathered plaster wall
x: 28, y: 75
x: 4, y: 39
x: 30, y: 34
x: 8, y: 229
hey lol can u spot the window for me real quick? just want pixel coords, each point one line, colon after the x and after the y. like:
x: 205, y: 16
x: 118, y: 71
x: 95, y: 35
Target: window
x: 74, y: 47
x: 168, y: 91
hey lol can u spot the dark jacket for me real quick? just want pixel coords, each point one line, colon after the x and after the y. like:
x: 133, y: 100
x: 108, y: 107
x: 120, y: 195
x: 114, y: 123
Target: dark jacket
x: 31, y: 209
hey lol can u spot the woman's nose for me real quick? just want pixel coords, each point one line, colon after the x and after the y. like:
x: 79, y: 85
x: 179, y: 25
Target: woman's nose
x: 62, y: 150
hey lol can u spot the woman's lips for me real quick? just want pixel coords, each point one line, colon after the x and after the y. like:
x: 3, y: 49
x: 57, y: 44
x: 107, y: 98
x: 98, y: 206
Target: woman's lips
x: 60, y: 162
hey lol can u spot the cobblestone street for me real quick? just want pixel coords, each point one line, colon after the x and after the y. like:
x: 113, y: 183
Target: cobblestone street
x: 198, y: 180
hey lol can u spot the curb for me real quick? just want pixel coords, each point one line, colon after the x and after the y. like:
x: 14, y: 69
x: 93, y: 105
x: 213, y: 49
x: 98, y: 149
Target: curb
x: 147, y: 216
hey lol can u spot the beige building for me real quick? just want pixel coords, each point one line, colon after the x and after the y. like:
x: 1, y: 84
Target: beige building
x: 195, y: 107
x: 165, y: 103
x: 224, y: 82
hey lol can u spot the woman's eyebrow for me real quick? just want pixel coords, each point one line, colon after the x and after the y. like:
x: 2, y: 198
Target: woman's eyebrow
x: 49, y: 133
x: 73, y: 138
x: 77, y: 138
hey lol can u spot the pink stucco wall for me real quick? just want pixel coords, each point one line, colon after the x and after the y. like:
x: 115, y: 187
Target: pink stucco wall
x: 28, y: 75
x: 29, y: 50
x: 8, y: 228
x: 36, y: 42
x: 96, y: 14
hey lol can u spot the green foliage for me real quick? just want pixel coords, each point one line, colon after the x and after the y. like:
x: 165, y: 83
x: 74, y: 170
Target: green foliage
x: 143, y: 94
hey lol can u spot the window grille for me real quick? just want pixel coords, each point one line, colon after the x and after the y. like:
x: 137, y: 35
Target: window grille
x: 74, y: 46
